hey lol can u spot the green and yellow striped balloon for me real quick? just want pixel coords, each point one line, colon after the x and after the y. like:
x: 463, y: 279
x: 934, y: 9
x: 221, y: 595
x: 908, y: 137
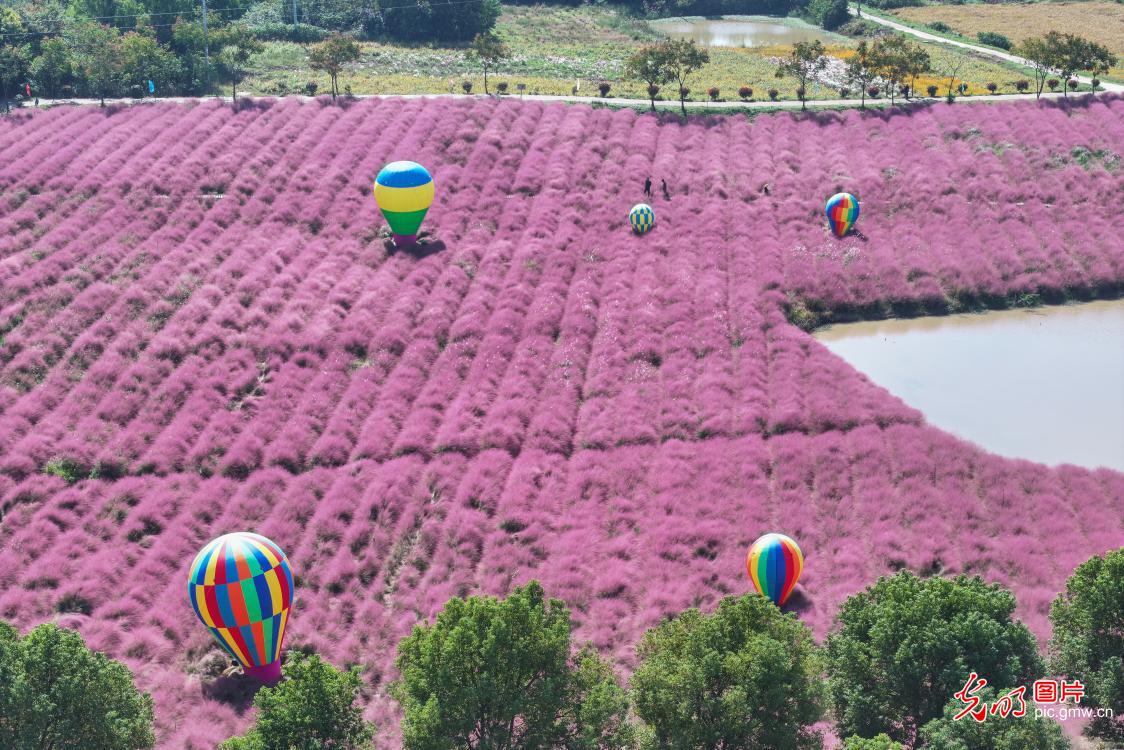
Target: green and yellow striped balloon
x: 404, y: 192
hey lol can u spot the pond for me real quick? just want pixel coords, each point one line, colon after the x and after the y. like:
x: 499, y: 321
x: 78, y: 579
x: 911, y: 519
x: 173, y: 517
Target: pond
x: 738, y: 31
x: 1045, y: 384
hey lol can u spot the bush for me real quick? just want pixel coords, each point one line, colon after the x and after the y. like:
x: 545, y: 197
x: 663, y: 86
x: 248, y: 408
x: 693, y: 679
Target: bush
x: 993, y: 39
x: 276, y: 31
x: 55, y: 692
x: 931, y: 90
x: 996, y: 733
x: 684, y: 92
x: 991, y: 87
x: 873, y: 92
x: 830, y: 14
x: 501, y: 87
x: 1072, y: 83
x: 745, y: 92
x: 844, y: 92
x: 773, y: 94
x: 653, y: 90
x: 1022, y: 85
x: 466, y: 86
x: 746, y: 676
x: 1095, y: 83
x: 881, y: 742
x: 1053, y: 84
x: 1088, y: 642
x: 604, y: 87
x: 904, y: 90
x: 906, y: 644
x: 424, y: 20
x: 891, y: 4
x: 310, y: 88
x: 940, y: 27
x: 713, y: 92
x: 314, y: 706
x: 536, y: 695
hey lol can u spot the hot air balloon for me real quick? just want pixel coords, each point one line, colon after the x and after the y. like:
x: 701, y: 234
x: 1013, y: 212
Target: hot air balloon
x: 842, y: 213
x: 642, y: 218
x: 241, y: 587
x: 774, y: 564
x: 404, y: 192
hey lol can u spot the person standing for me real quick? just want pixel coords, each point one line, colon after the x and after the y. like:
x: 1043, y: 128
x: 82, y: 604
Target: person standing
x: 666, y: 195
x: 648, y: 187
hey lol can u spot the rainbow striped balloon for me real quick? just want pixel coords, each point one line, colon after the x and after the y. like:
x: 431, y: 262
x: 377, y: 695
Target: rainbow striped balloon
x: 842, y: 213
x: 241, y: 587
x: 642, y: 218
x: 774, y: 564
x: 404, y: 192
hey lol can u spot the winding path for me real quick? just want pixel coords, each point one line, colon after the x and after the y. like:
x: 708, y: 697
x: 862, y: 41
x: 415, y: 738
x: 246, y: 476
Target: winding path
x: 997, y: 54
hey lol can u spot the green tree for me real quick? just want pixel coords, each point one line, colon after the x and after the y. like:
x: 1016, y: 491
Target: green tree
x: 488, y: 51
x: 905, y: 645
x: 440, y: 20
x: 497, y: 674
x: 237, y: 46
x: 743, y: 678
x: 830, y: 14
x: 861, y: 70
x: 806, y: 61
x: 649, y: 64
x: 96, y: 50
x: 682, y: 58
x: 1088, y: 618
x: 55, y: 693
x: 995, y: 733
x: 881, y: 742
x: 1074, y: 53
x: 53, y: 68
x: 15, y: 63
x: 312, y: 707
x: 331, y: 55
x: 1042, y: 54
x: 144, y: 59
x: 897, y: 60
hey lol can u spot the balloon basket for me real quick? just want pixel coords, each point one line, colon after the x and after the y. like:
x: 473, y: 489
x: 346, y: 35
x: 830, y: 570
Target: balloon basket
x: 270, y: 674
x: 405, y: 240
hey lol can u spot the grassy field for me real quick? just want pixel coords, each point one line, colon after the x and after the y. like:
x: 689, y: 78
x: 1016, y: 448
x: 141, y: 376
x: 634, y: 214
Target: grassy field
x: 1100, y: 21
x: 555, y: 49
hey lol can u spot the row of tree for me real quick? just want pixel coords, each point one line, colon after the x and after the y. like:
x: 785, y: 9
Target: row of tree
x: 491, y: 673
x: 1064, y: 55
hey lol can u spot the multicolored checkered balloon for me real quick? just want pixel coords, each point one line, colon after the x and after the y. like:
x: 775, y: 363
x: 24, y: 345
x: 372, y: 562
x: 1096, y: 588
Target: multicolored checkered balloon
x: 774, y: 564
x: 842, y: 213
x: 642, y: 218
x: 241, y: 588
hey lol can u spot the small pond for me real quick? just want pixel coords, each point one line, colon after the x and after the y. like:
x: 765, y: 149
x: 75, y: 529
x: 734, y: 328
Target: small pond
x: 1045, y: 384
x: 738, y: 31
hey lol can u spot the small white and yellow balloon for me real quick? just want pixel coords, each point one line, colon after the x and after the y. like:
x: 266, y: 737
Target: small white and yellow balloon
x: 404, y: 192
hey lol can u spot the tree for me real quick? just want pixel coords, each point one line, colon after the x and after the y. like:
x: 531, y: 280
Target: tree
x: 881, y: 742
x: 15, y: 62
x: 312, y: 707
x: 440, y: 20
x: 1042, y: 54
x: 96, y: 50
x: 650, y: 65
x: 144, y: 59
x: 952, y: 71
x: 996, y: 733
x: 861, y: 70
x: 807, y: 60
x: 53, y: 68
x: 237, y: 46
x: 492, y: 673
x: 683, y: 57
x: 906, y: 644
x: 830, y: 14
x: 744, y: 678
x: 56, y: 693
x: 897, y: 60
x: 488, y: 50
x: 1073, y: 53
x: 1088, y: 619
x: 331, y: 55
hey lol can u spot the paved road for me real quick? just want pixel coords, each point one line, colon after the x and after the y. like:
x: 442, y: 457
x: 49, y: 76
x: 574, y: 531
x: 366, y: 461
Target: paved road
x: 998, y: 54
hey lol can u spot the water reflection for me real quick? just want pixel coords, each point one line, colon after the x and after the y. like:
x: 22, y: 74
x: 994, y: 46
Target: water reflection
x: 1044, y: 384
x: 738, y: 31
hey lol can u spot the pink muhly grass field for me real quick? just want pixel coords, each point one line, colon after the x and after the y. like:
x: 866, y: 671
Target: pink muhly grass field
x: 198, y: 314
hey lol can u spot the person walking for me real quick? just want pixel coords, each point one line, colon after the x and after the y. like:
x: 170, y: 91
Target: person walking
x: 648, y: 187
x: 663, y: 185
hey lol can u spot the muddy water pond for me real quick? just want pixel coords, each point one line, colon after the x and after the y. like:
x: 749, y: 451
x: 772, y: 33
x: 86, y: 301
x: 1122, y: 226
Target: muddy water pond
x: 1045, y: 384
x: 738, y: 31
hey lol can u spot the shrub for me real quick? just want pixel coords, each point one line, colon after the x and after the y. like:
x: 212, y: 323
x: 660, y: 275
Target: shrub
x: 713, y: 92
x: 873, y: 92
x: 844, y: 92
x: 800, y: 93
x: 519, y: 647
x: 277, y: 31
x: 991, y: 87
x: 653, y: 90
x: 55, y: 692
x: 604, y: 88
x: 1095, y: 83
x: 684, y: 92
x: 931, y: 90
x: 438, y: 20
x: 1072, y: 83
x: 996, y: 733
x: 314, y: 706
x: 745, y: 92
x: 881, y: 742
x: 1053, y: 84
x: 906, y: 644
x: 1022, y: 85
x: 501, y: 87
x: 830, y: 14
x: 466, y: 86
x: 993, y: 39
x: 773, y: 94
x: 940, y: 27
x: 904, y: 89
x: 746, y: 676
x: 310, y: 88
x: 1088, y: 642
